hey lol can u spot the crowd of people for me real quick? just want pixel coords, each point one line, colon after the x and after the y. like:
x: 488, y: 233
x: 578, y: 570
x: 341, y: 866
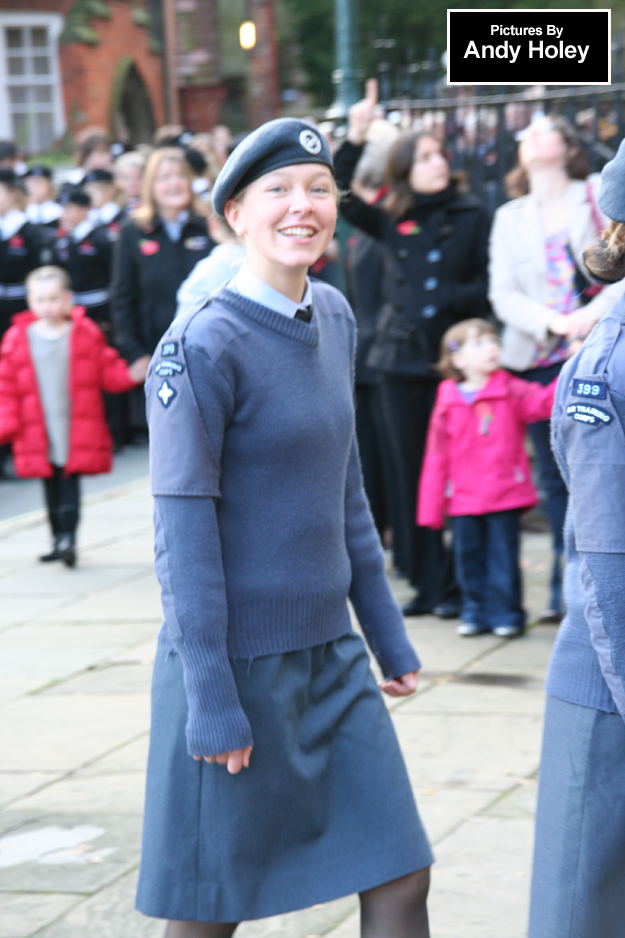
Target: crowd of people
x: 416, y: 253
x: 186, y: 269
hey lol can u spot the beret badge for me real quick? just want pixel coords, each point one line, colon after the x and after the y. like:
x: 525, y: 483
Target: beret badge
x: 310, y: 141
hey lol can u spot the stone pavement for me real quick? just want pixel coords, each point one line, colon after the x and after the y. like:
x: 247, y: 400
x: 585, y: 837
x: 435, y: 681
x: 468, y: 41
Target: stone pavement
x: 76, y: 648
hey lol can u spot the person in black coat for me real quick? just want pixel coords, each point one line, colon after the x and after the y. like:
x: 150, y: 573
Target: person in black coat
x: 157, y: 249
x: 364, y: 265
x: 435, y: 241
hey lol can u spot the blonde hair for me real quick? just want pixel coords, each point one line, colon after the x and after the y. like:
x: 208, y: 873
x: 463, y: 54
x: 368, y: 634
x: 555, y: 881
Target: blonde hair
x: 455, y: 338
x: 48, y: 273
x: 144, y: 215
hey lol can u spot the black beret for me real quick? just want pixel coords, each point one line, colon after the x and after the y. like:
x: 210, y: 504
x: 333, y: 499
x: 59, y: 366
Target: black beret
x: 612, y: 190
x: 99, y: 175
x: 196, y: 161
x: 277, y: 143
x: 74, y: 195
x: 38, y: 170
x: 10, y: 179
x: 8, y: 150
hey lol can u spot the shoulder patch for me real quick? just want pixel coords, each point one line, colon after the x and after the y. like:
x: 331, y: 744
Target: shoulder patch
x: 593, y: 416
x: 168, y: 369
x: 168, y: 349
x: 166, y: 394
x: 589, y: 387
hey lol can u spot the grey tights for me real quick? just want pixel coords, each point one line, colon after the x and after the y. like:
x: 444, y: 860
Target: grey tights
x: 392, y: 910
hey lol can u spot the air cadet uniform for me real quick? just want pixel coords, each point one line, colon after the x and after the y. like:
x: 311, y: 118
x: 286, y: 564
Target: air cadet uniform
x: 578, y: 886
x: 110, y: 216
x: 86, y: 254
x: 23, y: 247
x: 43, y: 213
x: 262, y: 532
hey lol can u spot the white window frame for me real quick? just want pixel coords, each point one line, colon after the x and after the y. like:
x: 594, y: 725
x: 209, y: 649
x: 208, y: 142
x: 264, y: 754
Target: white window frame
x: 53, y: 22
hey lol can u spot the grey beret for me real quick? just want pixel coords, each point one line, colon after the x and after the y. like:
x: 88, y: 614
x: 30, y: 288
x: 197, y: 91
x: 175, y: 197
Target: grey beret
x: 277, y: 143
x: 612, y: 191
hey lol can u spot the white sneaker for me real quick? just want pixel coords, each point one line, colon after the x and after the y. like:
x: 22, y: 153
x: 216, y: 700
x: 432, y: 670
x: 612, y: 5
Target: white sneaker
x: 508, y: 631
x: 468, y: 629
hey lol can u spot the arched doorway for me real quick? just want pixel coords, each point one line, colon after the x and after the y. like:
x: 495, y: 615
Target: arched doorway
x: 132, y: 115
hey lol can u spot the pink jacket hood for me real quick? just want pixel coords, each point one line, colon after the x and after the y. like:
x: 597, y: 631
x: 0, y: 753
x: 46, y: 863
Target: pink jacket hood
x: 475, y: 461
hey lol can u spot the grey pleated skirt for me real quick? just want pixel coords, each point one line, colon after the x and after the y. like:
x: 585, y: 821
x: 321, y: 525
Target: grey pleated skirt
x: 325, y: 809
x: 578, y: 881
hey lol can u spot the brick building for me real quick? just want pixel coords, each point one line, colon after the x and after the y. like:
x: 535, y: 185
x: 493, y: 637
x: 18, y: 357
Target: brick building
x: 127, y: 65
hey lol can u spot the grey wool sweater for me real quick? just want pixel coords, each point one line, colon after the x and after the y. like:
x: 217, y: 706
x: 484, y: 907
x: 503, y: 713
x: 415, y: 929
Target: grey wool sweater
x: 263, y: 530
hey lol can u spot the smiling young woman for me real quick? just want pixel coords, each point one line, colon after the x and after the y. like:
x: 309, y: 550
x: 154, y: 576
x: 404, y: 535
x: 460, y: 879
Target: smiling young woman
x: 275, y: 780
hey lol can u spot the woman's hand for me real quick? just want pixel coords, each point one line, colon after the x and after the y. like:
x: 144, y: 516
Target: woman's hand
x: 234, y: 761
x: 576, y: 325
x: 401, y: 686
x: 361, y: 114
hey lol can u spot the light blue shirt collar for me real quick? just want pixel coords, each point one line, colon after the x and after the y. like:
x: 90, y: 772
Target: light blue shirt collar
x: 248, y: 284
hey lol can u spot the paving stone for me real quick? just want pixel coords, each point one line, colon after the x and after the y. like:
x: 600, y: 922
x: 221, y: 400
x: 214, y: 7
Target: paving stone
x: 53, y: 578
x: 137, y: 599
x: 131, y: 757
x: 21, y: 914
x: 485, y: 751
x: 114, y: 793
x: 78, y: 853
x: 58, y: 733
x: 15, y: 785
x: 480, y: 884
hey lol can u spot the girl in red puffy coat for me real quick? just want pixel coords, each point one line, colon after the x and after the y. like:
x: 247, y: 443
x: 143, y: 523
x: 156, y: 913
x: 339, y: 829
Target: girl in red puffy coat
x: 54, y: 364
x: 476, y: 471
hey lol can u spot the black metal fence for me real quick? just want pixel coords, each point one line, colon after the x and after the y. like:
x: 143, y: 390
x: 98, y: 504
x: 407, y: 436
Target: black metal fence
x: 480, y: 130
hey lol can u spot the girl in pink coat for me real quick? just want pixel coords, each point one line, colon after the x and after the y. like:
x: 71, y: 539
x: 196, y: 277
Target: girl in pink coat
x: 477, y: 472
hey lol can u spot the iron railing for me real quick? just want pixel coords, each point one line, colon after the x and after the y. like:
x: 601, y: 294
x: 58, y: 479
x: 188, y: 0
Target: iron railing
x: 480, y: 130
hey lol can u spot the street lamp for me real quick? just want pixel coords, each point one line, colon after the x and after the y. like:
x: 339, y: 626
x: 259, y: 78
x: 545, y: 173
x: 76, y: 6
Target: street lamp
x: 247, y: 35
x: 344, y: 75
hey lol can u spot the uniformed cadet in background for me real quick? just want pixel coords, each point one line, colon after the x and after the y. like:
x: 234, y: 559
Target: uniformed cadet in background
x: 578, y: 886
x: 85, y: 252
x: 23, y: 247
x: 106, y: 201
x: 41, y: 207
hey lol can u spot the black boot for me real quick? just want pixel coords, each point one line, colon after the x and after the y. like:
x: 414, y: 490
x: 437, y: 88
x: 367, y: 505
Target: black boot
x: 67, y: 550
x: 54, y: 554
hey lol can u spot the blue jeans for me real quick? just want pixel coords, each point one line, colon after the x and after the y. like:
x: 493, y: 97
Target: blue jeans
x: 486, y: 549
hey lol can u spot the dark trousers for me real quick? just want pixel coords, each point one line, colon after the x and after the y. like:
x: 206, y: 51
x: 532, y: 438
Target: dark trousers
x: 554, y: 492
x: 63, y: 501
x: 370, y: 448
x: 407, y: 404
x: 486, y: 549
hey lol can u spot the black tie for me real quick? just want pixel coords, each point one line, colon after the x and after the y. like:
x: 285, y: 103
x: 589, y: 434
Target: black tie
x: 305, y: 314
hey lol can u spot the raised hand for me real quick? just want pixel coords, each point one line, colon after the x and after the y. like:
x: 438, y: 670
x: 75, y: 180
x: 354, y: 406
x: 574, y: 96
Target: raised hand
x: 361, y: 114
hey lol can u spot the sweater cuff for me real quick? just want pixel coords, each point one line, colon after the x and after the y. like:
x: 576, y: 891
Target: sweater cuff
x: 216, y: 721
x: 398, y: 657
